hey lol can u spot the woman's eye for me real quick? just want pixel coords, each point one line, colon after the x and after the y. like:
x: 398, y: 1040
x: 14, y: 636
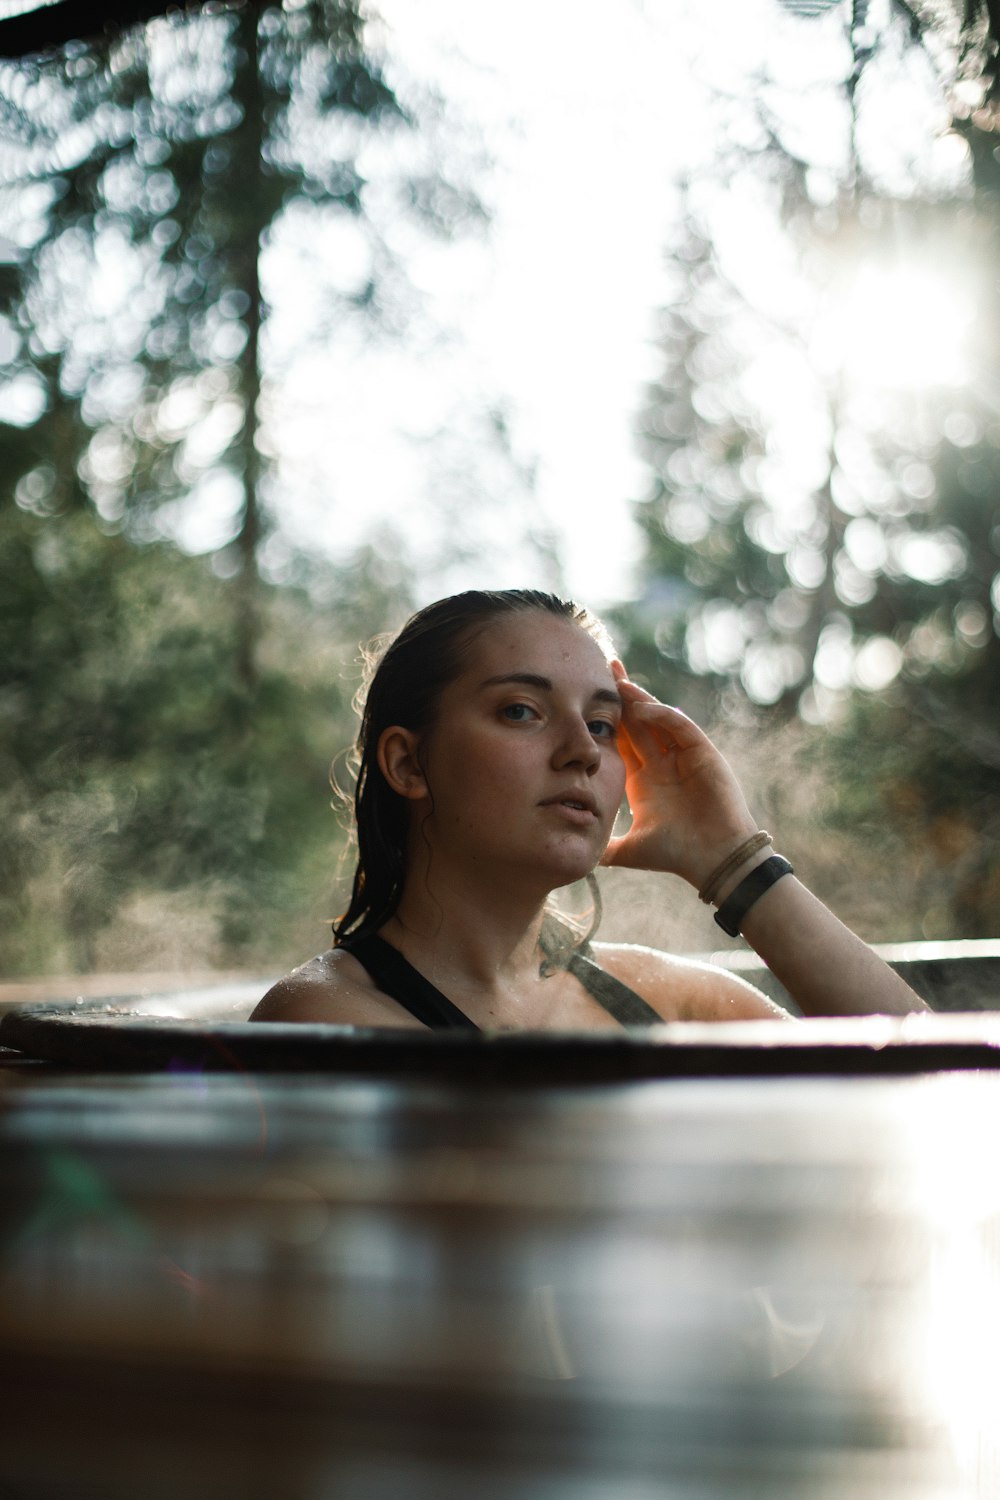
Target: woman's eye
x: 603, y: 729
x: 518, y: 713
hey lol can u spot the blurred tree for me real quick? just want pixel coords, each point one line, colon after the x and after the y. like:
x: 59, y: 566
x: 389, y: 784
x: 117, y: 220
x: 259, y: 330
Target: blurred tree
x: 822, y: 529
x: 135, y: 761
x: 154, y: 173
x: 930, y: 739
x: 166, y: 719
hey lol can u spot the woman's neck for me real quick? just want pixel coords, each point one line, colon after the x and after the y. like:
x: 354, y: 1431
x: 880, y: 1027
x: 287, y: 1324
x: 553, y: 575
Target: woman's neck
x: 468, y: 938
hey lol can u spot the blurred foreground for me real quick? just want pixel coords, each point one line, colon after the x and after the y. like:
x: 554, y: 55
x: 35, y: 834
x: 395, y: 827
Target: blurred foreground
x: 258, y: 1286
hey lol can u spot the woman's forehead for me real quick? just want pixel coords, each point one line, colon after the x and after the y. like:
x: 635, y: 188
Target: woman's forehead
x: 535, y: 641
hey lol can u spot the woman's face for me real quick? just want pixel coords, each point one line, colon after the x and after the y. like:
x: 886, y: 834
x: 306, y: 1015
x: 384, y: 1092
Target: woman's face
x: 521, y: 763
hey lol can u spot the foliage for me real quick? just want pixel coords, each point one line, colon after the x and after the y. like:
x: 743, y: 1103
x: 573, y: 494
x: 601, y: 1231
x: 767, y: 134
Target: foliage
x: 135, y: 760
x: 151, y: 176
x: 167, y: 720
x: 824, y: 544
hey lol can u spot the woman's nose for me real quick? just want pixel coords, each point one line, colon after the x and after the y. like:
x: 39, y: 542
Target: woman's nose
x: 577, y: 746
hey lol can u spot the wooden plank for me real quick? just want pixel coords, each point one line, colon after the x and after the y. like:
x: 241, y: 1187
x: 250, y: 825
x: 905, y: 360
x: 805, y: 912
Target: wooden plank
x: 258, y: 1286
x: 131, y: 1035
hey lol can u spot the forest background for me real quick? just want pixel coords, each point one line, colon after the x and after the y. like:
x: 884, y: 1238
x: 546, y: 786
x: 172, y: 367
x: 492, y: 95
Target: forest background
x: 816, y: 573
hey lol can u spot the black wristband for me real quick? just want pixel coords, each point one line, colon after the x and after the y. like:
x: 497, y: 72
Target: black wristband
x: 736, y: 905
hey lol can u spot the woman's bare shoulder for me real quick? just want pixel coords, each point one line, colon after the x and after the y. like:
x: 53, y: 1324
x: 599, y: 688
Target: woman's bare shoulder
x: 331, y: 988
x: 686, y: 989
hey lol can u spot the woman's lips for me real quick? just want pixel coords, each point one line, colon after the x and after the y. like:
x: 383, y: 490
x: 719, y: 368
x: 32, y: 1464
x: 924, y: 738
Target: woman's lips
x: 579, y: 810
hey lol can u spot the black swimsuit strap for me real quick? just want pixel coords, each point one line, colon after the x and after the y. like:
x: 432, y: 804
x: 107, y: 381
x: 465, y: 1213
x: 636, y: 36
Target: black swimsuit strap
x: 396, y: 976
x: 616, y: 997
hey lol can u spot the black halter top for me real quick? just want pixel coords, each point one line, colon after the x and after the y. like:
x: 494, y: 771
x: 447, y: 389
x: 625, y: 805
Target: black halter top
x: 396, y: 977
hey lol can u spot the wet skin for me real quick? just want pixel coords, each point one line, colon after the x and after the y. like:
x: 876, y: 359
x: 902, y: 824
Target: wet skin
x: 513, y: 792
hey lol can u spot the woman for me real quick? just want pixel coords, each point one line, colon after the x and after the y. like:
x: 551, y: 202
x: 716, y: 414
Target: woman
x: 499, y: 735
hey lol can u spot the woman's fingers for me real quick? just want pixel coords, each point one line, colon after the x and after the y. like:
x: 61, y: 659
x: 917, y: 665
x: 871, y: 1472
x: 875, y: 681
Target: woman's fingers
x: 636, y: 698
x: 628, y: 752
x: 657, y: 734
x: 651, y: 730
x: 684, y: 732
x: 687, y: 807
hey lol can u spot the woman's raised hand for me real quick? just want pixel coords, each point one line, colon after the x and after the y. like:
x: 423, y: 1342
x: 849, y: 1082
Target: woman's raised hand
x: 688, y: 815
x: 688, y: 812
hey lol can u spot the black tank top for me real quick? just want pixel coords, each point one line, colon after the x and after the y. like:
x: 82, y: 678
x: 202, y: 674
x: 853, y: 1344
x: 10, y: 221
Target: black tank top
x: 396, y: 977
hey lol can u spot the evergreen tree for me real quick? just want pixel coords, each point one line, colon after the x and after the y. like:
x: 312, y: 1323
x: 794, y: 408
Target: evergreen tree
x: 866, y: 595
x: 165, y: 720
x: 152, y: 174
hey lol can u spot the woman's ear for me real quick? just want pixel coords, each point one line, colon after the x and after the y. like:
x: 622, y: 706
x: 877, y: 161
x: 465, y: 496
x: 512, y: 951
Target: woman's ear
x: 399, y: 761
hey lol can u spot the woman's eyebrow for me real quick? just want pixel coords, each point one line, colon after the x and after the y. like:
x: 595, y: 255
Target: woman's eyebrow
x: 536, y: 680
x: 529, y: 679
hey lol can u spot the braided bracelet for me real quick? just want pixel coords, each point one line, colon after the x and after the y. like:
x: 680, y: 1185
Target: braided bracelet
x: 736, y: 905
x: 732, y: 862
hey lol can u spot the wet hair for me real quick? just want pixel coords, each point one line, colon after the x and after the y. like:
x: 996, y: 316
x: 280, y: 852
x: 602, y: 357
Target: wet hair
x: 404, y: 686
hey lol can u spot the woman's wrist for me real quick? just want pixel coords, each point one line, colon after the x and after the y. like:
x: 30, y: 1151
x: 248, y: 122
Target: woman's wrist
x: 740, y: 901
x: 723, y: 876
x: 736, y: 876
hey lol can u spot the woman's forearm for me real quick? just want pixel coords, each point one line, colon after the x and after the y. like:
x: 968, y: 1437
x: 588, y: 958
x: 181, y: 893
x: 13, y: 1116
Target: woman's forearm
x: 824, y: 966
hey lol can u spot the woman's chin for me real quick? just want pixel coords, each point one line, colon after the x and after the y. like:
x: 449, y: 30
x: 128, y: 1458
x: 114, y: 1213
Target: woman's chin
x: 569, y: 865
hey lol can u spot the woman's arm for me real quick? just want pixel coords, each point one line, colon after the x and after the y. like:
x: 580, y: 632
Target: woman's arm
x: 689, y: 815
x: 826, y: 968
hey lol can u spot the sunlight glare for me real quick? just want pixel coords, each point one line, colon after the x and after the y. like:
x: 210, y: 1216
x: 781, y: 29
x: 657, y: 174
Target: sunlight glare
x: 899, y: 327
x: 955, y: 1188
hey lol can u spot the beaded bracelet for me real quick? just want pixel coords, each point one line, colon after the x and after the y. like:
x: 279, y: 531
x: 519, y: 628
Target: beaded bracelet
x: 732, y: 862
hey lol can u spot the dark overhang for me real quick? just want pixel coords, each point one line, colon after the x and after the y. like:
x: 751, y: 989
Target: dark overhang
x: 46, y: 27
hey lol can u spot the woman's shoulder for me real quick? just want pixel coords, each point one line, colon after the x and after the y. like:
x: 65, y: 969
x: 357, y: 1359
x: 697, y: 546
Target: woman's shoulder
x: 332, y: 988
x: 685, y: 989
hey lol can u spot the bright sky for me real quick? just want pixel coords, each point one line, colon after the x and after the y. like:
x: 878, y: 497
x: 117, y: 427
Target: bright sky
x: 578, y: 119
x: 590, y: 112
x: 600, y: 101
